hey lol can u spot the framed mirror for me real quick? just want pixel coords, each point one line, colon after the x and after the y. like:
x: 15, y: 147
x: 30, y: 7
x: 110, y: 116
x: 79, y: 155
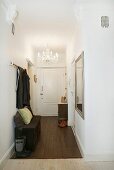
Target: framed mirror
x: 79, y: 85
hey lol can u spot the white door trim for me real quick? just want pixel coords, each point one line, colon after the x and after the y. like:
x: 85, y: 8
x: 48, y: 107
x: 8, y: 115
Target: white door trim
x: 50, y: 110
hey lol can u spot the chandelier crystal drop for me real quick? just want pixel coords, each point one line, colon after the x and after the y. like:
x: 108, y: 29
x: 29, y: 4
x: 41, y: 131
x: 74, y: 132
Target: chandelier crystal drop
x: 47, y: 55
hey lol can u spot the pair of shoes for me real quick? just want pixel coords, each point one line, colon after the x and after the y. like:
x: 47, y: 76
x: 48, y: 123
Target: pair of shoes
x: 23, y: 154
x: 62, y: 123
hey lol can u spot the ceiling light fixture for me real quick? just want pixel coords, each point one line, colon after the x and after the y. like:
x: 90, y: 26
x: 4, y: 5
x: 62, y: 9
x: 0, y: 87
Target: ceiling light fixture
x: 47, y: 55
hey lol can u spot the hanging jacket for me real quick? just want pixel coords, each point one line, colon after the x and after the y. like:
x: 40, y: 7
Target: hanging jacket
x: 23, y: 89
x: 26, y: 89
x: 19, y: 83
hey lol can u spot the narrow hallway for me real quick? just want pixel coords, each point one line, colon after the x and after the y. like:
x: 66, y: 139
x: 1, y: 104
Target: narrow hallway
x: 55, y: 142
x: 57, y: 59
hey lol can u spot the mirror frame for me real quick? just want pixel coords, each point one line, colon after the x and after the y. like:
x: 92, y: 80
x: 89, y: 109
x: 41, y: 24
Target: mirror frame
x: 81, y: 113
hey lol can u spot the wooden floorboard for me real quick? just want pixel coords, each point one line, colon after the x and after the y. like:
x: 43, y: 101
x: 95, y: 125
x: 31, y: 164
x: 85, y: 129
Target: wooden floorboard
x: 55, y: 142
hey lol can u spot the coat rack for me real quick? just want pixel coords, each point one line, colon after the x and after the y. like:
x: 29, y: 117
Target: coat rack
x: 28, y: 61
x: 14, y: 65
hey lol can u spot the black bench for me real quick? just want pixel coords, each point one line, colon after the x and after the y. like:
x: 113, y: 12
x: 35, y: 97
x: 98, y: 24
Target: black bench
x: 31, y: 131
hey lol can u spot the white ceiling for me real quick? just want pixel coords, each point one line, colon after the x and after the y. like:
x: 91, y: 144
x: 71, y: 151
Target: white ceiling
x: 47, y: 21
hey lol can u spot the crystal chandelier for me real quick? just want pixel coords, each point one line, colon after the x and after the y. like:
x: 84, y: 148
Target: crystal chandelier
x: 47, y: 55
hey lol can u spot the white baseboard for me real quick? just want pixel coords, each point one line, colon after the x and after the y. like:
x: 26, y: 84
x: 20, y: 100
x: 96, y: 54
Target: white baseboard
x: 80, y: 146
x: 6, y: 156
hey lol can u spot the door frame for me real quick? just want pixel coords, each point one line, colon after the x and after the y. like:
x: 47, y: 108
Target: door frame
x: 37, y: 88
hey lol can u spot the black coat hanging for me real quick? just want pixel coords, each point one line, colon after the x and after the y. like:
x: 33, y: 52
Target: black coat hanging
x: 26, y: 89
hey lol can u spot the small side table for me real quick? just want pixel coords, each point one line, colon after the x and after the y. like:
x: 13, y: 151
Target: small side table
x: 62, y: 114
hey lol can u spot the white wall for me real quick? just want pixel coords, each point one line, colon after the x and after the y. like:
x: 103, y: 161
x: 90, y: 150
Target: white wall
x: 73, y: 52
x: 11, y: 49
x: 96, y: 132
x: 99, y: 81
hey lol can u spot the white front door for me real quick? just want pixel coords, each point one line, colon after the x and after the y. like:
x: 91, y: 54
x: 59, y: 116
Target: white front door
x: 51, y: 86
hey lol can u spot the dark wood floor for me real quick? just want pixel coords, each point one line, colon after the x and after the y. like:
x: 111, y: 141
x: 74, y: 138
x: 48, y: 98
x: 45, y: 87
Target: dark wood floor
x: 55, y: 142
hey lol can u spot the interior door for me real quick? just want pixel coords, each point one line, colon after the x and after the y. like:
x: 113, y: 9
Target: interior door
x: 51, y: 86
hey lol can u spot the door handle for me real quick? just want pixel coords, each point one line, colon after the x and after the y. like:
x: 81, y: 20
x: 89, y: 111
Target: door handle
x: 41, y: 93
